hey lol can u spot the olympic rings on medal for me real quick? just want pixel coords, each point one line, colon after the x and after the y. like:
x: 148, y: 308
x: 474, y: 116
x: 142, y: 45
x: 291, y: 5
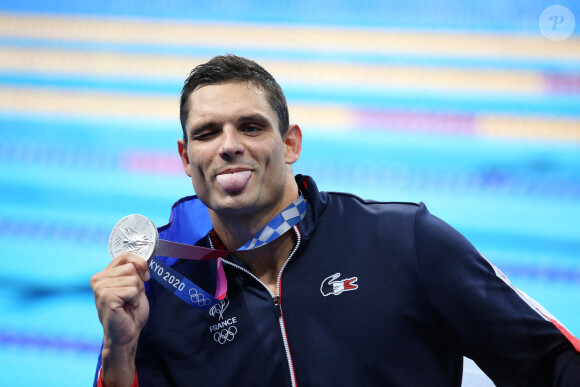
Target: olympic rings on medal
x: 225, y: 335
x: 198, y: 298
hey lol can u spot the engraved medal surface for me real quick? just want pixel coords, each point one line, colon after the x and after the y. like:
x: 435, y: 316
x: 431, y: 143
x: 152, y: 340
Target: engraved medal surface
x: 134, y: 233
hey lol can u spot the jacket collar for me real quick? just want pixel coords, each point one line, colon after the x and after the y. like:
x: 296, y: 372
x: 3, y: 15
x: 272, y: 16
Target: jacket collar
x: 316, y: 202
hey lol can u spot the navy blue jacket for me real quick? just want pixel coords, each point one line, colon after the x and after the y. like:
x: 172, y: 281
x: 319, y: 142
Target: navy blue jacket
x: 375, y: 294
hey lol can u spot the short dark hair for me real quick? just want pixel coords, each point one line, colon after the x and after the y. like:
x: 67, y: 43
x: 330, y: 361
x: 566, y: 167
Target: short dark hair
x: 232, y: 68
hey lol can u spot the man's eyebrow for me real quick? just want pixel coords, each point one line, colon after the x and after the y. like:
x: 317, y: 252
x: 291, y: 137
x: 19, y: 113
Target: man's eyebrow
x: 254, y: 117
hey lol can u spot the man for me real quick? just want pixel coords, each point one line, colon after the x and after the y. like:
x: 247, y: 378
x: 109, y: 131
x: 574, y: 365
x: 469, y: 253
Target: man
x: 357, y: 293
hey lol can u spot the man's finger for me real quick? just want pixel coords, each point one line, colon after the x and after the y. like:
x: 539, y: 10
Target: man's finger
x: 141, y: 265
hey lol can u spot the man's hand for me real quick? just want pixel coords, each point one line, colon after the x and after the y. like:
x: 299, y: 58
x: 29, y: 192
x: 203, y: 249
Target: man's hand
x: 123, y: 310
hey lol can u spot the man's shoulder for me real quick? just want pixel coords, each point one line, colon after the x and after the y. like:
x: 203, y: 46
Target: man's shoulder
x: 352, y: 201
x: 341, y: 208
x: 371, y: 217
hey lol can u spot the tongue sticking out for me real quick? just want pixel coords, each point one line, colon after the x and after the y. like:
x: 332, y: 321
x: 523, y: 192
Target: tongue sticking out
x: 233, y: 182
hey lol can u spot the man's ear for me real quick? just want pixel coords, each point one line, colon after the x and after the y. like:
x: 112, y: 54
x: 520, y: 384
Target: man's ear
x: 182, y: 149
x: 292, y: 144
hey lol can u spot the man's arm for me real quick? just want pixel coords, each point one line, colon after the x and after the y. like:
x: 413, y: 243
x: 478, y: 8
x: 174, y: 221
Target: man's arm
x: 123, y: 311
x: 476, y: 311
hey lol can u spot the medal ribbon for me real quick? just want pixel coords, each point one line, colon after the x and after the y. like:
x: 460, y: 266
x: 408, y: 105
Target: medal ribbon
x: 193, y: 294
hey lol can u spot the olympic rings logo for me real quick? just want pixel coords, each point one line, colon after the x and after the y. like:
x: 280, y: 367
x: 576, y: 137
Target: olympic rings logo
x: 198, y: 298
x: 225, y: 335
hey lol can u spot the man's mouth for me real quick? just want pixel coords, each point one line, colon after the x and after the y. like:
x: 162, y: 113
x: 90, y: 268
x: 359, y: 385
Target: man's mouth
x: 234, y: 180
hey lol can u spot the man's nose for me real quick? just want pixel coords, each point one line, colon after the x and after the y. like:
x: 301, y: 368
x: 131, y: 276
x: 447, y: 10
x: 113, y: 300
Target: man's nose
x: 231, y: 143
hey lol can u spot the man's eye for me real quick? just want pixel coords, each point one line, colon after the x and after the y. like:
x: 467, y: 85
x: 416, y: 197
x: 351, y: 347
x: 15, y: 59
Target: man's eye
x: 204, y: 135
x: 251, y: 129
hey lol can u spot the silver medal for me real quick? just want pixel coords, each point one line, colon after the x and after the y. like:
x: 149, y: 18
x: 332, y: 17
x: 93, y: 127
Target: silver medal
x: 134, y: 233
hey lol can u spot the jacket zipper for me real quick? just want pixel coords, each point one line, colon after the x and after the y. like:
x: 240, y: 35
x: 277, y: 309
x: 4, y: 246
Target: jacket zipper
x: 276, y: 301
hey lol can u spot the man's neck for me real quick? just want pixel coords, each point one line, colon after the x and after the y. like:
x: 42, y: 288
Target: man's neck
x: 267, y: 261
x: 235, y: 231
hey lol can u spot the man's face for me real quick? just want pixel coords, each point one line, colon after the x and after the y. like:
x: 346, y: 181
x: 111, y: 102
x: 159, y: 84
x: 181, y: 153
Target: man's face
x: 235, y: 154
